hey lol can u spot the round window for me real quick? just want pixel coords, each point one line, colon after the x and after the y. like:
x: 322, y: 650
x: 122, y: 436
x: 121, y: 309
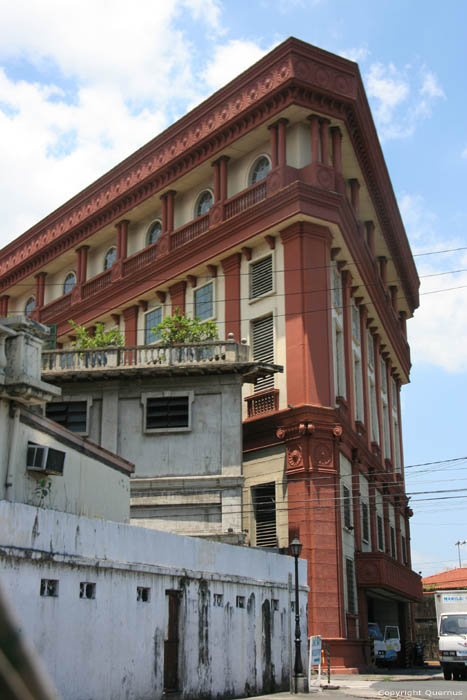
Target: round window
x: 69, y: 283
x: 205, y: 202
x: 110, y: 258
x: 30, y: 306
x: 260, y: 169
x: 154, y: 232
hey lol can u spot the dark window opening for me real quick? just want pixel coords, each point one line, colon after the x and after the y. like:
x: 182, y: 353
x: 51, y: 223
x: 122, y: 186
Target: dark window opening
x: 143, y: 595
x: 240, y: 601
x: 350, y: 585
x: 264, y: 501
x: 71, y: 415
x: 87, y: 591
x: 379, y: 522
x: 365, y: 523
x: 393, y: 543
x: 347, y: 507
x: 49, y: 588
x: 167, y: 412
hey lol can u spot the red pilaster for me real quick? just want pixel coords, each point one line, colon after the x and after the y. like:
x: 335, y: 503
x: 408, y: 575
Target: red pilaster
x: 391, y: 426
x: 314, y: 134
x: 307, y: 258
x: 164, y: 224
x: 40, y: 289
x: 82, y: 263
x: 216, y: 180
x: 393, y: 290
x: 399, y: 418
x: 282, y: 141
x: 372, y: 499
x: 324, y: 134
x: 4, y: 305
x: 387, y: 537
x: 170, y: 210
x: 231, y: 269
x: 223, y: 160
x: 383, y: 269
x: 397, y: 518
x: 177, y: 296
x: 130, y: 315
x: 273, y: 144
x: 403, y: 322
x: 122, y: 239
x: 336, y: 136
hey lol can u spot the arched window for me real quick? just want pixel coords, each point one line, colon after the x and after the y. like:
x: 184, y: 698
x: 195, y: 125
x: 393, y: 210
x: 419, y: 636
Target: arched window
x: 260, y: 169
x: 30, y: 306
x: 154, y: 232
x: 69, y: 283
x: 204, y: 203
x: 110, y: 258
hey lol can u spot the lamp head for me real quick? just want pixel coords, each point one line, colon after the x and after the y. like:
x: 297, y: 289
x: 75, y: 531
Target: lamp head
x: 295, y: 547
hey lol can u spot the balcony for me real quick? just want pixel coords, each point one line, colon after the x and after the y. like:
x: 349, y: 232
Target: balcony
x: 377, y: 570
x: 262, y: 403
x: 213, y: 357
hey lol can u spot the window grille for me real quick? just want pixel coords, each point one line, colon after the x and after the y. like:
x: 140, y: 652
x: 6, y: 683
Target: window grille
x: 264, y: 499
x: 349, y: 570
x: 365, y: 523
x: 167, y: 412
x: 71, y: 414
x: 347, y: 502
x: 261, y: 277
x: 263, y: 348
x: 379, y: 522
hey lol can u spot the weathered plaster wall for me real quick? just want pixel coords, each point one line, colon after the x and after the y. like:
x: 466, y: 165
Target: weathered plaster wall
x: 111, y: 647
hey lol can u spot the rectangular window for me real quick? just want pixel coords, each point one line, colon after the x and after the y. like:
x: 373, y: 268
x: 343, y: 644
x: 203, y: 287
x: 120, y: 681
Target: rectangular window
x: 143, y: 594
x: 264, y: 502
x: 218, y: 601
x: 167, y: 412
x: 358, y: 388
x: 347, y: 503
x: 365, y: 523
x: 151, y: 320
x: 87, y: 591
x: 393, y: 542
x: 70, y: 414
x: 261, y: 277
x: 349, y: 570
x: 49, y: 588
x: 355, y: 322
x: 262, y: 331
x: 336, y: 283
x: 204, y: 301
x: 240, y: 601
x: 379, y: 523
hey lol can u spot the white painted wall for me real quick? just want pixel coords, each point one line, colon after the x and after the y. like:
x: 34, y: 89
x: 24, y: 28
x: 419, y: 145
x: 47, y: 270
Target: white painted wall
x: 112, y: 647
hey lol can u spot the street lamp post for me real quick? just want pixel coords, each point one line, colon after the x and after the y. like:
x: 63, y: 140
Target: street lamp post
x: 299, y: 679
x: 458, y: 545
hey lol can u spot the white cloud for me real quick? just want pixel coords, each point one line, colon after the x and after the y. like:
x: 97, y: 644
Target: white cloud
x: 104, y: 81
x: 438, y: 331
x: 464, y: 153
x: 359, y: 55
x: 400, y: 98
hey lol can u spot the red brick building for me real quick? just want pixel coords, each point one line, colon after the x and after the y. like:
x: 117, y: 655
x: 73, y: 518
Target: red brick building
x: 268, y: 208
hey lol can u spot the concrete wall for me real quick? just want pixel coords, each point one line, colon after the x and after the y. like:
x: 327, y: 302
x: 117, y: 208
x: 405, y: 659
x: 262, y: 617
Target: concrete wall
x: 111, y: 646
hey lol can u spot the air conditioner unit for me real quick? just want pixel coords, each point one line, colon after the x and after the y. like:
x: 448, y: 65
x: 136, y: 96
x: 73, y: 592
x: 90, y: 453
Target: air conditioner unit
x: 44, y: 459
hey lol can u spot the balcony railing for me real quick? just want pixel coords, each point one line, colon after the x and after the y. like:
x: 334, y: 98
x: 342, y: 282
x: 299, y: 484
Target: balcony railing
x: 143, y: 356
x: 254, y: 194
x: 49, y: 312
x: 141, y: 259
x: 263, y: 402
x: 185, y: 234
x: 97, y: 284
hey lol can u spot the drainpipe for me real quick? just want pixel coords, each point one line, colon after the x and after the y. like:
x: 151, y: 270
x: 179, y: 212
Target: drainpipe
x: 10, y: 473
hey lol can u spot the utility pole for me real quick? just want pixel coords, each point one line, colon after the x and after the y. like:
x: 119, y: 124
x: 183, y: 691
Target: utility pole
x: 458, y: 545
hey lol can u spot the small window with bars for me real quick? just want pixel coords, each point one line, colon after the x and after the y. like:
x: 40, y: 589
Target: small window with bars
x: 347, y: 503
x: 365, y: 523
x: 261, y: 277
x: 379, y: 525
x: 70, y: 414
x: 262, y: 332
x: 349, y: 571
x: 166, y: 413
x: 264, y: 501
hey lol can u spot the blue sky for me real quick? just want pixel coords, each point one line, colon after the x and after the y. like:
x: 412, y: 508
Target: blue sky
x: 83, y: 84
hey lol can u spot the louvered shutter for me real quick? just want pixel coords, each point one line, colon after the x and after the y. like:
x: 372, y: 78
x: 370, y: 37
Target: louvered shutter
x: 261, y: 277
x: 263, y: 348
x: 265, y: 509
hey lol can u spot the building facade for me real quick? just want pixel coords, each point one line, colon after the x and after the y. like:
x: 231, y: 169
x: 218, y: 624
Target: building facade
x: 269, y: 209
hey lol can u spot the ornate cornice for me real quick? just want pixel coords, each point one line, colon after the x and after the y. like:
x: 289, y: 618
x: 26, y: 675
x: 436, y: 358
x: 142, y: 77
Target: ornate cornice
x: 293, y: 73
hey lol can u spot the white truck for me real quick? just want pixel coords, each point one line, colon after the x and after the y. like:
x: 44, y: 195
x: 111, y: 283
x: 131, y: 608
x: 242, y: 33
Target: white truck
x: 387, y: 646
x: 451, y: 620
